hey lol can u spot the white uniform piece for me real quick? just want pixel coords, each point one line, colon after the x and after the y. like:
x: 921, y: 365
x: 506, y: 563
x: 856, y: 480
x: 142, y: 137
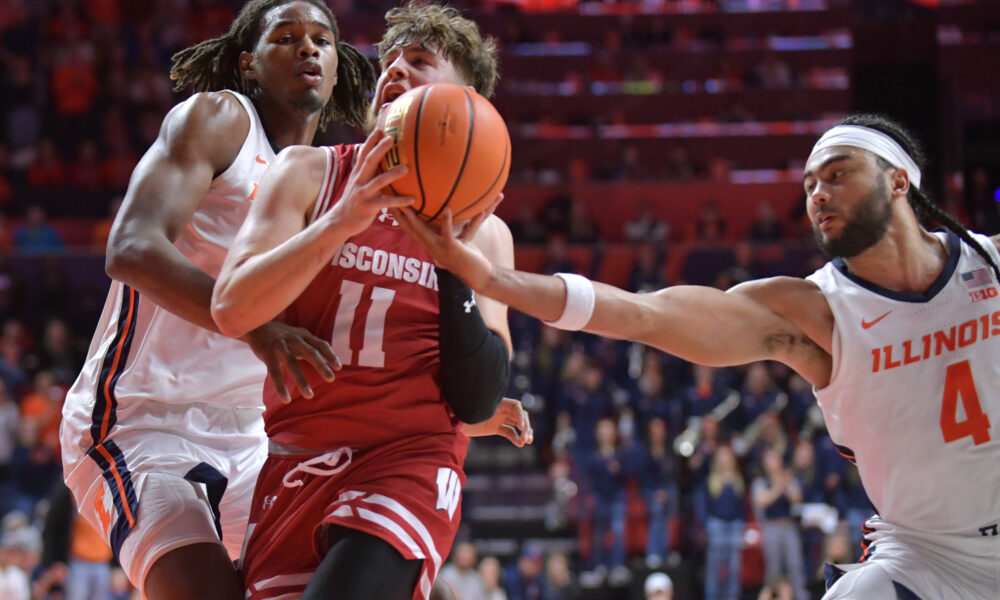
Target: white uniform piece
x: 914, y: 399
x: 162, y: 403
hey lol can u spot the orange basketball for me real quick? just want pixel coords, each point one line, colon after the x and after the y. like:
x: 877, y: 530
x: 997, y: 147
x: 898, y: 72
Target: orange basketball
x: 457, y: 148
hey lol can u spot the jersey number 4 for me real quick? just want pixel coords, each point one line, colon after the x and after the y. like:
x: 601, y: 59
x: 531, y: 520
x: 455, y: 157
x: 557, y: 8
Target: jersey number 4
x: 958, y: 384
x: 370, y: 354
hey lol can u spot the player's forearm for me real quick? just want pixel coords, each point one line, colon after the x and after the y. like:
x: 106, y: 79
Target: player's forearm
x: 255, y: 289
x: 156, y: 269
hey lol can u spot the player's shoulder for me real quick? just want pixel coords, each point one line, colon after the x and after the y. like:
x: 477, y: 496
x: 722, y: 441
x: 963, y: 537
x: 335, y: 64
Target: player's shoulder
x: 301, y: 163
x: 495, y: 240
x: 209, y: 114
x: 212, y: 125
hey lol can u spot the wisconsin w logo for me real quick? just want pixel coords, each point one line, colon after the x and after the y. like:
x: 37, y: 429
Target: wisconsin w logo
x: 449, y: 491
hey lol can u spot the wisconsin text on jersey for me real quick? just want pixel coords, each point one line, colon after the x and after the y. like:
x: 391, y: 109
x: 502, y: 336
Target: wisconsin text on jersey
x: 389, y: 264
x: 915, y: 350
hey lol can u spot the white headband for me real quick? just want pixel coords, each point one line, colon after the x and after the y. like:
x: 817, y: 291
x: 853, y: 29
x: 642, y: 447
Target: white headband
x: 875, y: 142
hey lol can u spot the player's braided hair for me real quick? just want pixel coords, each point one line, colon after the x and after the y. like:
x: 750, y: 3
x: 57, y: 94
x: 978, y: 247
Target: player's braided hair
x: 213, y: 65
x: 919, y: 200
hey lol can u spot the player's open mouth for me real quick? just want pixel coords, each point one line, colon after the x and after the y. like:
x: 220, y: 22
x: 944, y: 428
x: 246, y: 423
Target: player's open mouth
x: 391, y: 92
x: 311, y: 73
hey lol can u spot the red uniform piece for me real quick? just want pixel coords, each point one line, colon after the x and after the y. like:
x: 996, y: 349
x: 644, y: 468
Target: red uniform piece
x: 384, y: 453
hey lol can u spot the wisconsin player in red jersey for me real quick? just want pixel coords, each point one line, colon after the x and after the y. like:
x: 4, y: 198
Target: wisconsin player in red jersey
x: 361, y: 491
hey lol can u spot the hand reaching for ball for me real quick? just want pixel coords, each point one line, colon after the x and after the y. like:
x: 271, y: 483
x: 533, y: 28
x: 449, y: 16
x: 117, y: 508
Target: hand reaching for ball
x: 364, y: 193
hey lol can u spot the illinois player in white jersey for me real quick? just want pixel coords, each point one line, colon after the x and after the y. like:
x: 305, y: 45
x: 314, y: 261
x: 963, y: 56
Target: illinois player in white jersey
x: 370, y: 510
x: 162, y: 434
x: 898, y: 334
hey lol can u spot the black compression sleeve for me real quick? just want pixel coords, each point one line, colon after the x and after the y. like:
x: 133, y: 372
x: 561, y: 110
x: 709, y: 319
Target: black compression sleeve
x: 475, y: 362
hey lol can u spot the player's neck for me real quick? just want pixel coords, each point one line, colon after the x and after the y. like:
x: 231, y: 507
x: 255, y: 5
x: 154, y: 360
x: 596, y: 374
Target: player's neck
x: 907, y: 259
x: 288, y: 127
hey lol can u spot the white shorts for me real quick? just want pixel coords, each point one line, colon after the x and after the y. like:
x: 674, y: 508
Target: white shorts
x: 164, y: 476
x: 929, y: 565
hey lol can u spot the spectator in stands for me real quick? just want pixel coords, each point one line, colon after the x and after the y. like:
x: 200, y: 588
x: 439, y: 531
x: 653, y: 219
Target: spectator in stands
x: 10, y: 427
x: 677, y: 165
x: 525, y: 580
x: 489, y: 569
x: 6, y: 239
x: 758, y: 396
x: 766, y: 227
x: 719, y: 506
x: 560, y: 584
x: 58, y: 353
x: 46, y: 175
x: 606, y: 475
x: 12, y: 371
x: 584, y: 396
x: 461, y: 572
x: 646, y: 227
x: 70, y: 540
x: 582, y: 227
x: 20, y: 551
x: 806, y: 472
x: 14, y: 578
x: 710, y: 226
x: 36, y: 235
x: 705, y: 392
x: 526, y: 228
x: 777, y: 588
x: 775, y: 495
x: 655, y: 398
x: 657, y: 482
x: 658, y: 586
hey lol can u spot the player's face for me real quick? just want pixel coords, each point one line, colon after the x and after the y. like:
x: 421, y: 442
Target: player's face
x: 408, y: 66
x: 847, y: 200
x: 295, y: 60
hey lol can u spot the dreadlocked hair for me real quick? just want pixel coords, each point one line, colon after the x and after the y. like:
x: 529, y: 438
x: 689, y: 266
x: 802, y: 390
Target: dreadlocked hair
x: 213, y: 65
x: 444, y: 29
x: 919, y: 200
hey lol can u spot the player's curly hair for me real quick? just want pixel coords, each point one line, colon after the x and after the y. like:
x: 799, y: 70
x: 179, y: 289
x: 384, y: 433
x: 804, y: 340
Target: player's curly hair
x: 919, y: 199
x: 213, y: 65
x: 443, y: 28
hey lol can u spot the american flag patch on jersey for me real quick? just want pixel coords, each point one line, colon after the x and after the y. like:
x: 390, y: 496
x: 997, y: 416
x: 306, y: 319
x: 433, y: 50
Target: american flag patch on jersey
x: 976, y: 278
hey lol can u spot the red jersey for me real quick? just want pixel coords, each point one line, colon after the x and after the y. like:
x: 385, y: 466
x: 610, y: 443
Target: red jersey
x: 377, y: 304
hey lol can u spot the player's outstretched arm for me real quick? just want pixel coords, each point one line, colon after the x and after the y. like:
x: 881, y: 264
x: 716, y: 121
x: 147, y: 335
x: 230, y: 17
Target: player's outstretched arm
x: 752, y: 322
x: 277, y: 253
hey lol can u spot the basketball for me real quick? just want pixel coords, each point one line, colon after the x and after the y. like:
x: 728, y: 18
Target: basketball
x: 457, y: 148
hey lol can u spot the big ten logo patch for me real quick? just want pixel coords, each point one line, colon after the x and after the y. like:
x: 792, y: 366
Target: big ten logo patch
x: 104, y: 508
x: 395, y: 123
x: 984, y: 294
x: 449, y: 490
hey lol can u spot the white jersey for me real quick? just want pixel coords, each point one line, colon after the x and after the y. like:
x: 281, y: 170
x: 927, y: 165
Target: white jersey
x: 159, y: 395
x: 152, y: 353
x: 914, y: 394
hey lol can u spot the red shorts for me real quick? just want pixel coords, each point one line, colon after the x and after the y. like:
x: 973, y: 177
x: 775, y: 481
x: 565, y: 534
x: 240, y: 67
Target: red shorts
x: 407, y: 493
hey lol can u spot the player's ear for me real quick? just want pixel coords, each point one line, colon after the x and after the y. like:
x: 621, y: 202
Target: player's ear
x: 900, y: 181
x: 248, y: 68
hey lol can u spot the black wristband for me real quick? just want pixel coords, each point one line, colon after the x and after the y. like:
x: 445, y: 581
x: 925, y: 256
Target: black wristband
x: 475, y: 361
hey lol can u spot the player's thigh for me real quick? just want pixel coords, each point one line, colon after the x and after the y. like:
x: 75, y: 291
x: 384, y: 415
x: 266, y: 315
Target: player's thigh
x: 359, y: 566
x: 868, y: 581
x: 173, y: 513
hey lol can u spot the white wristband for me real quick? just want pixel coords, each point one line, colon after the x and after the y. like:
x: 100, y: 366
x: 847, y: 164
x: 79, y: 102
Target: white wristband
x: 579, y: 302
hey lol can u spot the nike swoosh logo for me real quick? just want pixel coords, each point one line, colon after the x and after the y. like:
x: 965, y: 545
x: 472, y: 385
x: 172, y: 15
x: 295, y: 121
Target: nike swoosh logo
x: 868, y: 324
x: 261, y: 160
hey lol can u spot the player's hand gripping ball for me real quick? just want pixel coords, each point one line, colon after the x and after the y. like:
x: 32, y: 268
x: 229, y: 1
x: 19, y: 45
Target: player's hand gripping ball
x: 457, y: 148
